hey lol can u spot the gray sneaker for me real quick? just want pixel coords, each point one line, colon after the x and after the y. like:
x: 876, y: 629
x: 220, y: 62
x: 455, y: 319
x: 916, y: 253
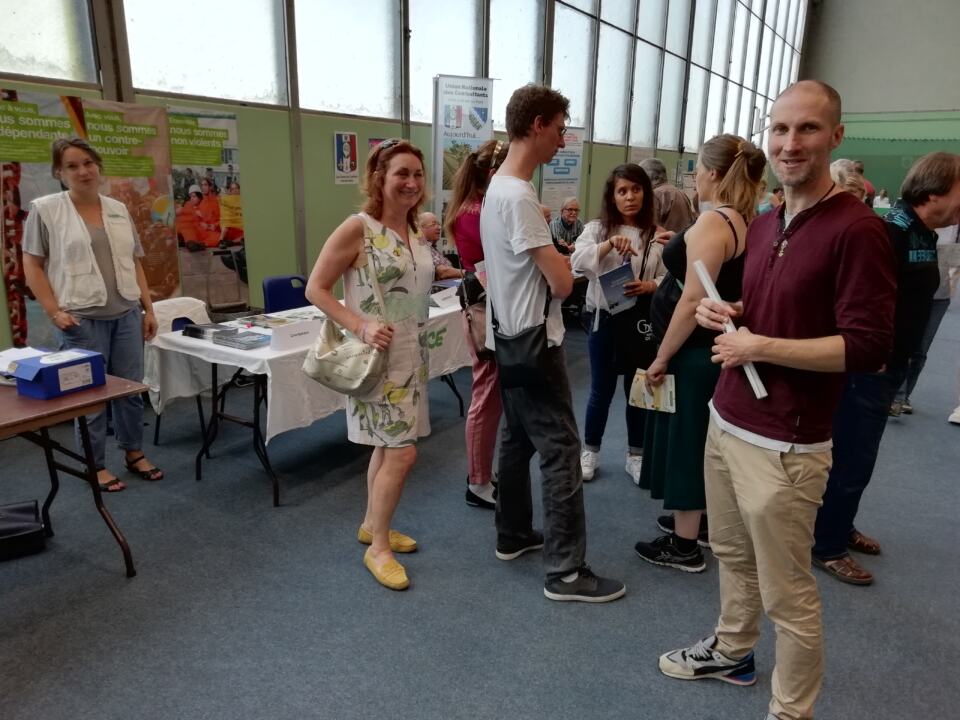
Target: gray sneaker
x: 587, y: 587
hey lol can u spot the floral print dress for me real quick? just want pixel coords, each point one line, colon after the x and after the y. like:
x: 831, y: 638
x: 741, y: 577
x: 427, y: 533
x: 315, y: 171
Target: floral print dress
x: 396, y: 412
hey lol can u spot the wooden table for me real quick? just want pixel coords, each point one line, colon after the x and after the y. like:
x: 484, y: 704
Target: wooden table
x: 31, y: 419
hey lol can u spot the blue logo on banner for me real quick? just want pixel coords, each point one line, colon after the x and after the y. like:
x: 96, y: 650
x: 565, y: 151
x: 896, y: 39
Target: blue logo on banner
x: 481, y: 112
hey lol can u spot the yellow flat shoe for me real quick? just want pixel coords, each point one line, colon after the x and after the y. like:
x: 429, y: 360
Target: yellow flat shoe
x: 391, y: 574
x: 399, y: 542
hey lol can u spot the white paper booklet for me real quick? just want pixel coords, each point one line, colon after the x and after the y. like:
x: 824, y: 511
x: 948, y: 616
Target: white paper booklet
x: 662, y: 398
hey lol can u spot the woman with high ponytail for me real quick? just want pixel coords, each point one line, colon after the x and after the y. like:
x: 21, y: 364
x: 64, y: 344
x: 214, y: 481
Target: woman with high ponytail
x: 462, y: 224
x: 728, y: 176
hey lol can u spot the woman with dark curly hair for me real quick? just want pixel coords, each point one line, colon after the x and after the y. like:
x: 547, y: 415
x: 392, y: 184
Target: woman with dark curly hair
x: 624, y: 233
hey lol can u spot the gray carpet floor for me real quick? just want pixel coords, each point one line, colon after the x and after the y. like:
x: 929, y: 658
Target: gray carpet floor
x: 242, y: 610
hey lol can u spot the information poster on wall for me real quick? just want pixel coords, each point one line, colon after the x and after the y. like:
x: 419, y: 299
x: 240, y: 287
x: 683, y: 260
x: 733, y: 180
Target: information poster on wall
x: 29, y: 123
x: 205, y: 151
x: 134, y: 142
x: 346, y: 169
x: 462, y: 122
x: 561, y: 176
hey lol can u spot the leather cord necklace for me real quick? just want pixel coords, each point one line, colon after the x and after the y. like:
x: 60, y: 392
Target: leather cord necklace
x: 781, y: 247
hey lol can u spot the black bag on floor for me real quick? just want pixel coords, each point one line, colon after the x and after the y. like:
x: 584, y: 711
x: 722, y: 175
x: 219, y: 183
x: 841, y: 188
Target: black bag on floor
x: 21, y: 532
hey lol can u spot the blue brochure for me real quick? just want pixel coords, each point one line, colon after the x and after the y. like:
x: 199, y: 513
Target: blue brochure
x: 611, y: 283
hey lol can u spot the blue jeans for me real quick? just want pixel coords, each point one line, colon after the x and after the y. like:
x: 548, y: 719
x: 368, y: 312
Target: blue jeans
x: 858, y: 425
x: 539, y: 419
x: 603, y: 384
x: 120, y: 341
x: 919, y: 358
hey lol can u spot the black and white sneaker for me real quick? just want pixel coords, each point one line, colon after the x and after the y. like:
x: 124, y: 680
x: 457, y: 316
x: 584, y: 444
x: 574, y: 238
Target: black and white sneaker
x: 664, y: 551
x: 512, y: 549
x: 586, y: 587
x: 701, y: 662
x: 474, y: 500
x: 666, y: 524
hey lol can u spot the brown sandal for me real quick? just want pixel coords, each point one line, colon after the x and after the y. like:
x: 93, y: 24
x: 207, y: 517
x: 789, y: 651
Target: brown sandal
x: 153, y: 473
x: 845, y: 569
x: 863, y: 544
x: 111, y: 486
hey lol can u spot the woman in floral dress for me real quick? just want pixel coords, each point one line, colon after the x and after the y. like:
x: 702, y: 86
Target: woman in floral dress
x: 384, y: 240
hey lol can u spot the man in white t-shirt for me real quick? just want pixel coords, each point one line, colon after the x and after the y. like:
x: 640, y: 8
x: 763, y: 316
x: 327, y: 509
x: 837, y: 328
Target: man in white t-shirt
x: 521, y: 263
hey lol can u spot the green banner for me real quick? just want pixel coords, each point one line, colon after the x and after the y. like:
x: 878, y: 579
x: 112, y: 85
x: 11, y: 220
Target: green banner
x: 26, y: 135
x: 115, y: 139
x: 191, y: 144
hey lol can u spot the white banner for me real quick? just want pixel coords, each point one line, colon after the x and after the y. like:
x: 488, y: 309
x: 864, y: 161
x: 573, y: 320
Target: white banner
x: 461, y: 123
x: 561, y: 176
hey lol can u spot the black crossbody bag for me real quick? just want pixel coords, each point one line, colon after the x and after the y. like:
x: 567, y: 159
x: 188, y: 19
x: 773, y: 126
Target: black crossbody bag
x: 635, y: 345
x: 520, y: 357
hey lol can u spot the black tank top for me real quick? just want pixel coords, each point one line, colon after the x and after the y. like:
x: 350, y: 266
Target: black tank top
x: 729, y: 281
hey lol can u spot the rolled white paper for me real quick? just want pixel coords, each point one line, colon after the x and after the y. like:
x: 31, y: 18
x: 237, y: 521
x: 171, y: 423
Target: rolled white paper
x: 752, y: 375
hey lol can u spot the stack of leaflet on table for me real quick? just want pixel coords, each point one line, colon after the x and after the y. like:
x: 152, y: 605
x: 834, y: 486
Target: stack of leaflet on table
x: 207, y: 331
x: 242, y: 340
x: 266, y: 321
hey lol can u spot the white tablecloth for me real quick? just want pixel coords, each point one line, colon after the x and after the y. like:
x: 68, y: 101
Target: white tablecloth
x: 293, y: 399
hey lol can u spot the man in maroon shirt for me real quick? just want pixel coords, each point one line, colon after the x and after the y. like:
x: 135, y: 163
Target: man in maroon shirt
x: 818, y: 301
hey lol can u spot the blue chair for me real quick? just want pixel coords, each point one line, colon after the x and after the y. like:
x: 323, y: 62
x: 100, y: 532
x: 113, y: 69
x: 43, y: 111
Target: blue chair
x: 284, y: 292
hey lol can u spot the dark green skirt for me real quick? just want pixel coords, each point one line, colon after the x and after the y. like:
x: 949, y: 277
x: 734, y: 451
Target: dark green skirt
x: 673, y: 442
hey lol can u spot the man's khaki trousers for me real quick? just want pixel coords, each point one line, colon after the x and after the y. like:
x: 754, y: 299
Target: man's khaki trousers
x: 762, y: 505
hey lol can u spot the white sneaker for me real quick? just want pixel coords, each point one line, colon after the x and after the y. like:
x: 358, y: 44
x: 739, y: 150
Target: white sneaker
x: 588, y: 464
x: 954, y: 417
x: 634, y: 463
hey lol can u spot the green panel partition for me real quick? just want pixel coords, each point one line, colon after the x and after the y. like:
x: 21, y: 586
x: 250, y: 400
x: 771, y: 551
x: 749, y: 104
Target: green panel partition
x: 602, y: 159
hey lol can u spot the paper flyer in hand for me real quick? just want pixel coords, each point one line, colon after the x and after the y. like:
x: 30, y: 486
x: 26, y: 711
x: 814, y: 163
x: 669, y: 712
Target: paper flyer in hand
x: 662, y: 398
x: 611, y: 283
x: 481, y: 271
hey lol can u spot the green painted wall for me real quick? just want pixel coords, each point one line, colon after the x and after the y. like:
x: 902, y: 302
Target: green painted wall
x: 889, y: 143
x: 328, y: 204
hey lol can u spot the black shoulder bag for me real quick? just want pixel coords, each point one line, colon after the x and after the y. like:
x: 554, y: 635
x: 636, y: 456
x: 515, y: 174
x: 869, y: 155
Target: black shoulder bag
x: 520, y: 356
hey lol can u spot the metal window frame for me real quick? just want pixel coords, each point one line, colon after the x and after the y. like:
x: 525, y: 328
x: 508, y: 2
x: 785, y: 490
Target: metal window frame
x: 659, y: 94
x: 405, y: 69
x: 112, y: 50
x: 687, y: 62
x: 706, y: 94
x: 296, y: 135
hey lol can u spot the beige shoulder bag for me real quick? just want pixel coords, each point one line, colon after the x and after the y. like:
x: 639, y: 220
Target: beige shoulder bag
x: 345, y: 363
